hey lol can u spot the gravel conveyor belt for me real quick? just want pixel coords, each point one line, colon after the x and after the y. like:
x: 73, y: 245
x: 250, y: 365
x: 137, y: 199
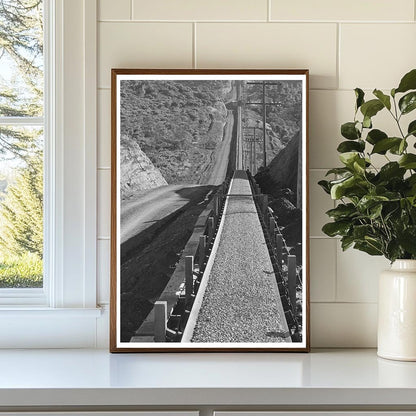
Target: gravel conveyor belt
x: 241, y: 302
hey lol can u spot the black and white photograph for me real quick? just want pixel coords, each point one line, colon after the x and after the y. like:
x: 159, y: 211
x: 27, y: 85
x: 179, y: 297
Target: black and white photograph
x: 209, y: 244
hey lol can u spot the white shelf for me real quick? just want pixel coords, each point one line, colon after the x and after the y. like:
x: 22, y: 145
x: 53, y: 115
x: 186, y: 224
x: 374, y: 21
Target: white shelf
x: 97, y: 378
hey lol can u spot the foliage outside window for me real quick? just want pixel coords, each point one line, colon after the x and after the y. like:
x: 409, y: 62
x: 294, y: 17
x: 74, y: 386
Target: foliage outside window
x: 21, y: 143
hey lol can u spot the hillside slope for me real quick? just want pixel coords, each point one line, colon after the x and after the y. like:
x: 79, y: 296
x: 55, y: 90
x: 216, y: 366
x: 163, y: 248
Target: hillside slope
x: 137, y: 172
x: 177, y: 124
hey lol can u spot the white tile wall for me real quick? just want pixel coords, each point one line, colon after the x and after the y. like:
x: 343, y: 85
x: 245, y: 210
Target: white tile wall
x: 114, y: 10
x: 323, y: 269
x: 200, y: 10
x: 376, y: 55
x: 357, y: 10
x: 271, y: 45
x: 345, y: 44
x: 145, y: 45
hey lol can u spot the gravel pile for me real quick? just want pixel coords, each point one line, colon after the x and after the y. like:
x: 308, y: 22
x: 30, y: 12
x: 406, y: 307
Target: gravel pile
x: 241, y: 302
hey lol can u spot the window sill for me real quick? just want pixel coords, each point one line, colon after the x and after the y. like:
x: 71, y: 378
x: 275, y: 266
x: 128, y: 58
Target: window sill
x: 331, y: 379
x: 39, y: 327
x: 35, y: 311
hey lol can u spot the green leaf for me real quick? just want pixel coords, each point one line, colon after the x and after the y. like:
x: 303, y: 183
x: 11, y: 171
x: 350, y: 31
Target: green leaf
x: 369, y: 201
x: 371, y: 108
x: 385, y: 99
x: 407, y: 239
x: 402, y: 147
x: 338, y: 171
x: 359, y: 165
x: 408, y: 161
x: 349, y: 158
x: 360, y: 231
x: 346, y: 242
x: 336, y: 228
x: 393, y: 250
x: 349, y: 131
x: 359, y: 94
x: 408, y: 82
x: 325, y: 186
x: 339, y: 188
x: 383, y: 145
x: 342, y: 211
x: 411, y: 130
x: 398, y: 149
x: 408, y: 102
x: 375, y: 211
x: 349, y: 146
x: 368, y: 248
x: 367, y: 122
x: 391, y: 170
x: 375, y: 136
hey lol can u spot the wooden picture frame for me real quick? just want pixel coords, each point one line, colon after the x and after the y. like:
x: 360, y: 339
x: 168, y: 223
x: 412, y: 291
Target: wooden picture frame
x: 209, y: 211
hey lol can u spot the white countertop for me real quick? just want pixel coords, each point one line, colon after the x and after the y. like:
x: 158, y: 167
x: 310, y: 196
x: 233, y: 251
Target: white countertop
x: 96, y: 377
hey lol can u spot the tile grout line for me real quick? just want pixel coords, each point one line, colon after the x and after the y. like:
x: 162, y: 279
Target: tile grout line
x: 307, y: 22
x: 352, y: 302
x: 194, y: 62
x: 338, y: 64
x: 269, y: 10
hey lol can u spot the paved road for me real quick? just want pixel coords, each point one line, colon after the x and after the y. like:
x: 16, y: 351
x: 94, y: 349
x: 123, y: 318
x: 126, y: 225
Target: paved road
x: 148, y: 207
x: 222, y: 153
x: 241, y: 302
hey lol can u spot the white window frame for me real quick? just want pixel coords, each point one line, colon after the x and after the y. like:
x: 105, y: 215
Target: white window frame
x: 64, y: 313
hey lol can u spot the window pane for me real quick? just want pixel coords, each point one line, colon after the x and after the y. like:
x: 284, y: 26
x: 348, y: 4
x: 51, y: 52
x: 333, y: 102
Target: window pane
x: 21, y: 58
x: 21, y: 207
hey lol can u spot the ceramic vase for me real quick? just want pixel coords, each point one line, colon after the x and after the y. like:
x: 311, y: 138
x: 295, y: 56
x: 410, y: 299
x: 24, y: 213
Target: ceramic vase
x: 397, y: 312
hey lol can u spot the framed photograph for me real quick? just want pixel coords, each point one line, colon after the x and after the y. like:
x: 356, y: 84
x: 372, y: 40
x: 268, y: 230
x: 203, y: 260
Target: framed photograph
x: 209, y: 214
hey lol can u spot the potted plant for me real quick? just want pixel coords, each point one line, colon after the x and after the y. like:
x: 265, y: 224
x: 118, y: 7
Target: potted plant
x: 376, y: 209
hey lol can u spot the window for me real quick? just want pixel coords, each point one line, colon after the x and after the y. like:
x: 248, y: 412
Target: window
x: 62, y: 313
x: 22, y: 132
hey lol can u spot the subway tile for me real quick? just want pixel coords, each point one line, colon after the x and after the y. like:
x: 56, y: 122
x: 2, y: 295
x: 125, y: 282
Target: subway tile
x: 104, y: 128
x: 376, y: 55
x: 328, y: 110
x: 103, y: 271
x: 143, y: 45
x: 323, y: 269
x: 270, y: 46
x: 357, y: 275
x: 104, y: 202
x: 319, y: 203
x: 341, y: 10
x: 114, y: 10
x: 200, y: 10
x: 343, y: 325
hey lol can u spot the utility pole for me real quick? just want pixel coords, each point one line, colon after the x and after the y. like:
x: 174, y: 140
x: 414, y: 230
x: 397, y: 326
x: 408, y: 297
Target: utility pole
x: 251, y: 144
x: 264, y: 105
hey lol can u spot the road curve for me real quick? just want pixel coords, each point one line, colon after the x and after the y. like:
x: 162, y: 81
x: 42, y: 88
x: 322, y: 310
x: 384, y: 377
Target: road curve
x: 222, y: 153
x: 148, y: 207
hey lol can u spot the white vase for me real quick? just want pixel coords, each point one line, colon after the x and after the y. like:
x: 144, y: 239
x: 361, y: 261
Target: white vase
x: 397, y: 312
